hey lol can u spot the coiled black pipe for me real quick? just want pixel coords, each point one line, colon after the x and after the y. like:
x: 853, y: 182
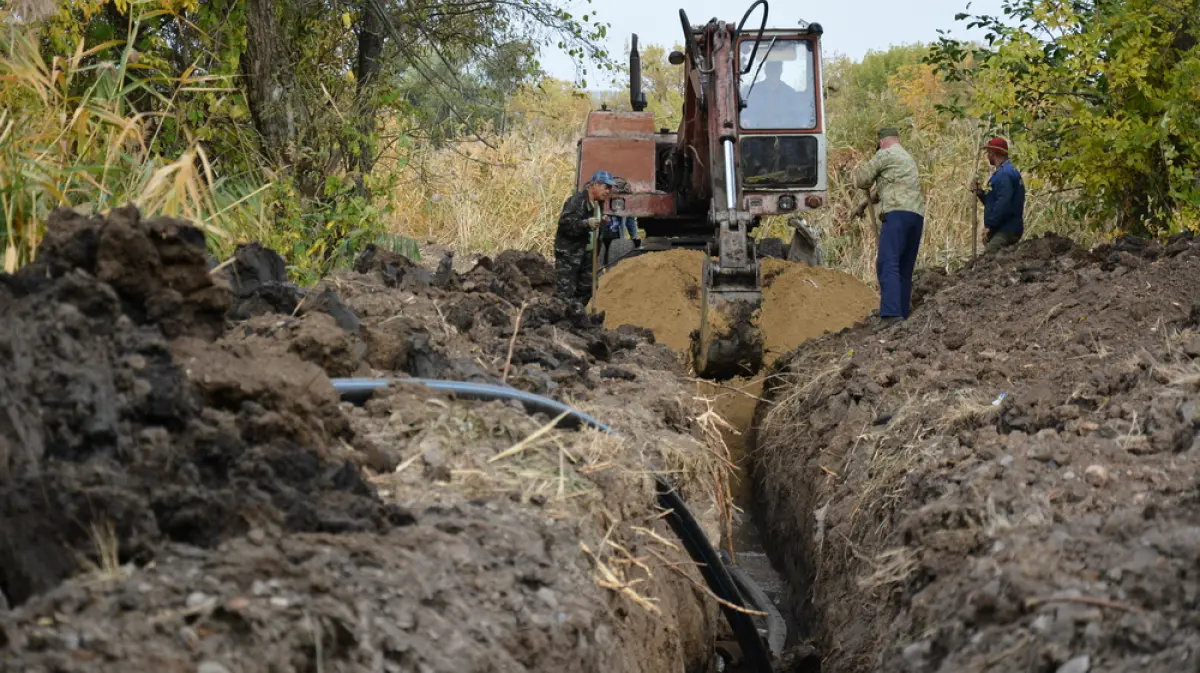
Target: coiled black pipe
x: 680, y: 518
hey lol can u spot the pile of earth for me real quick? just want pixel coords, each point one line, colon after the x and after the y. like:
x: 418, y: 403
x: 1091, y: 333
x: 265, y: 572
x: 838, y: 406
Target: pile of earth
x: 661, y: 292
x: 1008, y: 480
x: 181, y: 489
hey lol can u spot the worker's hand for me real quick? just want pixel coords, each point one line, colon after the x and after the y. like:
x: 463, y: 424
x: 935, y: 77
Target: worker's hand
x: 594, y: 222
x: 974, y: 187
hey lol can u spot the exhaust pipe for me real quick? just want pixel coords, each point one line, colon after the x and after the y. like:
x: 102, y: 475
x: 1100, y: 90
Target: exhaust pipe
x: 637, y: 99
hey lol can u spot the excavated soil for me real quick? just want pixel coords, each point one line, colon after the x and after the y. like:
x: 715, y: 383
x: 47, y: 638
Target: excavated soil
x: 661, y: 292
x: 181, y: 489
x: 802, y: 302
x: 1006, y: 482
x: 657, y: 291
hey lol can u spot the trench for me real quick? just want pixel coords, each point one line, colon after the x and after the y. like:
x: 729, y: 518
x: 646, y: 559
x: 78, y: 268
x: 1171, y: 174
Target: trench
x: 752, y: 548
x: 800, y: 302
x: 744, y: 554
x: 749, y: 584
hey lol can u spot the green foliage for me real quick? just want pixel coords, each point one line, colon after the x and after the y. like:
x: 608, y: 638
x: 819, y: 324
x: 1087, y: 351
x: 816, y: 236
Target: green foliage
x: 871, y: 76
x: 70, y: 136
x: 257, y: 118
x: 1100, y: 96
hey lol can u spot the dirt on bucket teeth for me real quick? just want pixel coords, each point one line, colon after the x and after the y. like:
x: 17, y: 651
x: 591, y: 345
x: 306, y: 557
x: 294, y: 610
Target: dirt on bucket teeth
x: 181, y: 489
x: 1008, y: 480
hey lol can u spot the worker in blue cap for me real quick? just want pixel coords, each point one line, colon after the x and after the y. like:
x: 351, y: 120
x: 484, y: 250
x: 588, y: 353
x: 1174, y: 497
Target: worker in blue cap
x: 579, y: 218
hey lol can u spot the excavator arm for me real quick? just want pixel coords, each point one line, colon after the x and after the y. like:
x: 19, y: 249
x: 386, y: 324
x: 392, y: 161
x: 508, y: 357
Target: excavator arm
x: 728, y: 342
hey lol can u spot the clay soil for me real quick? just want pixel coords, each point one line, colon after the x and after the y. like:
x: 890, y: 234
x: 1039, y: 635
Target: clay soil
x: 181, y: 489
x: 1007, y: 481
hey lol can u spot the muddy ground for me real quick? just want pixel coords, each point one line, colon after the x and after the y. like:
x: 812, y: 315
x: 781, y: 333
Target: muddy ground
x: 181, y: 489
x: 1006, y: 482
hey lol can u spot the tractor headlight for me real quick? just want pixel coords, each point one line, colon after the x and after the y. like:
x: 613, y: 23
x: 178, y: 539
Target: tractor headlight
x: 787, y: 202
x: 617, y: 205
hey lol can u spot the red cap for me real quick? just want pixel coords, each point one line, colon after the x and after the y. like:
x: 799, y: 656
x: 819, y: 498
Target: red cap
x: 997, y: 145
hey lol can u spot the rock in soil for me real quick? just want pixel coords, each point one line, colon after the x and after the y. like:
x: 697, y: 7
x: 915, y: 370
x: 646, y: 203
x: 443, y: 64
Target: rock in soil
x: 182, y: 490
x: 1029, y: 503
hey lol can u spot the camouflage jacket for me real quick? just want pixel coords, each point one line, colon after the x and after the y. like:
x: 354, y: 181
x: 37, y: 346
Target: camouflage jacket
x: 895, y: 172
x: 572, y: 222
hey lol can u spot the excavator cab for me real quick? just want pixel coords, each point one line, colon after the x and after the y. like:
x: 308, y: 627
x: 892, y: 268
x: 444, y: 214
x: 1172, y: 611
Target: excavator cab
x: 751, y: 145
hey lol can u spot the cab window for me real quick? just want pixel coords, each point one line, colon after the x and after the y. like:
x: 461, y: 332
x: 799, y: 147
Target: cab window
x: 779, y: 87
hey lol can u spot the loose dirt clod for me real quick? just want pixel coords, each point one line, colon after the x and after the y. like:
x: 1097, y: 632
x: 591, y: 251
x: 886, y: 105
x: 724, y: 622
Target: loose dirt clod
x: 1008, y: 480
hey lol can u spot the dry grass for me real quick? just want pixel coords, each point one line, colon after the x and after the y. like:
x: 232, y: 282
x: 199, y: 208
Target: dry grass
x: 508, y: 193
x: 106, y: 567
x: 66, y: 145
x: 480, y: 198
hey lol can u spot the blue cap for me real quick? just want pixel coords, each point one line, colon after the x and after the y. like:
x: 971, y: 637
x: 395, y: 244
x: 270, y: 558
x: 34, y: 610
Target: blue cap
x: 604, y: 177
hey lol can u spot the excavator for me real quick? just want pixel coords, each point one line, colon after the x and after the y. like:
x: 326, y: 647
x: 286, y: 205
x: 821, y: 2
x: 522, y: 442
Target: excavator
x: 751, y: 144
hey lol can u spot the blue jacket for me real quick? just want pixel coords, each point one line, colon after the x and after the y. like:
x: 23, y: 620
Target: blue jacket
x: 1004, y: 204
x: 612, y: 229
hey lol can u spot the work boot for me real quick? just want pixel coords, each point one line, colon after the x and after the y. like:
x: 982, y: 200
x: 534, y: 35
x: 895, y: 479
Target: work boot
x: 884, y: 324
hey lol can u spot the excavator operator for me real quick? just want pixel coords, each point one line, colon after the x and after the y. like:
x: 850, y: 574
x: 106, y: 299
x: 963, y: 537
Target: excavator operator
x: 772, y: 103
x: 580, y: 215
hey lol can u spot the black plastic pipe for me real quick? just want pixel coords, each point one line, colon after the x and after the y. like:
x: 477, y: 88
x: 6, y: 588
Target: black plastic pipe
x: 776, y: 626
x: 679, y: 517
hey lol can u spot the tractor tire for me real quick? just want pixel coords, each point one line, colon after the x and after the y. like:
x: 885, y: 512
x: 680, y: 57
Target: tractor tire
x: 772, y: 247
x: 617, y: 250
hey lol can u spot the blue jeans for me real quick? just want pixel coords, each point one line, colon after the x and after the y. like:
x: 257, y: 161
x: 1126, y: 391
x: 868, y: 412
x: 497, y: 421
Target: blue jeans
x: 899, y: 241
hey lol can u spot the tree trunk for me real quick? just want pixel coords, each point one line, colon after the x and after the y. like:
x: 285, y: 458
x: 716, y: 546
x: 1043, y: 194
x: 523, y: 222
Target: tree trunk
x: 269, y: 82
x: 366, y: 71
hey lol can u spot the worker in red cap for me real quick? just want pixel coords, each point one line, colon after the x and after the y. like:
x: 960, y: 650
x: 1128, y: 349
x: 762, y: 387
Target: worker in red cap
x: 1004, y: 201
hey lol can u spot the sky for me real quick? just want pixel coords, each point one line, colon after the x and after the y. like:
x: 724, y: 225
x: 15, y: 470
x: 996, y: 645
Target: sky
x: 852, y: 27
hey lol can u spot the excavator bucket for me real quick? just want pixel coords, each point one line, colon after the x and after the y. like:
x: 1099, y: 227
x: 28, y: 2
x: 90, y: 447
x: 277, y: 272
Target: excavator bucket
x: 805, y: 245
x: 728, y: 343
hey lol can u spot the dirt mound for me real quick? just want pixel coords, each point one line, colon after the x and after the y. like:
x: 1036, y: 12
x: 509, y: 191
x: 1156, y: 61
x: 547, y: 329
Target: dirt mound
x: 1007, y: 480
x: 460, y: 328
x: 802, y: 302
x: 109, y: 422
x: 178, y: 492
x: 468, y: 590
x: 661, y: 292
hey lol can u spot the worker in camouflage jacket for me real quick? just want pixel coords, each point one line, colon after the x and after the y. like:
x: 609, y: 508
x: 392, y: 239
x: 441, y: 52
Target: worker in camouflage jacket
x: 579, y: 218
x: 894, y: 173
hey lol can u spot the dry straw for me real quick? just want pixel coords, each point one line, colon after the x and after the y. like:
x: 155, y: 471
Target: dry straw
x: 603, y: 483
